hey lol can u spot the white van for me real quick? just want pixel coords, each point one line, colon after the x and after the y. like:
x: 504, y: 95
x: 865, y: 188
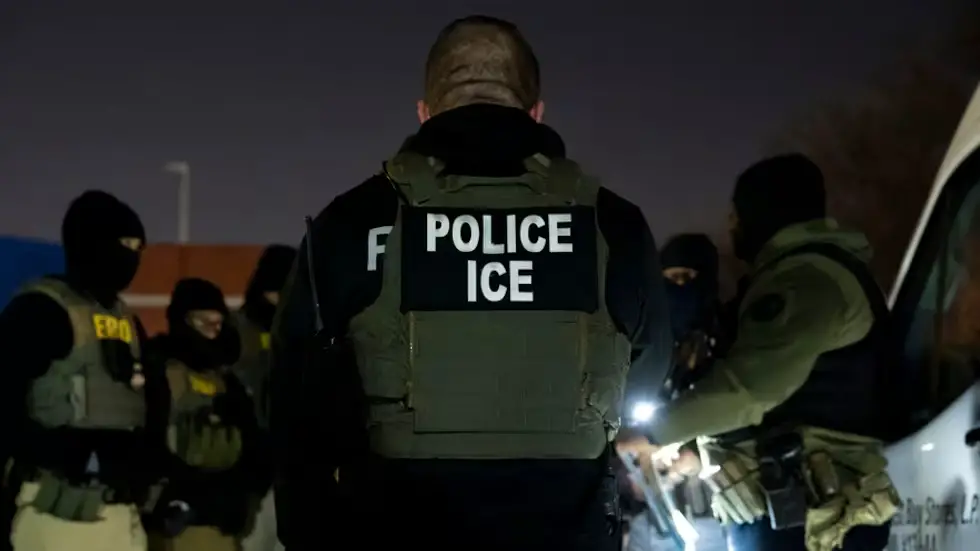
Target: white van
x: 936, y: 309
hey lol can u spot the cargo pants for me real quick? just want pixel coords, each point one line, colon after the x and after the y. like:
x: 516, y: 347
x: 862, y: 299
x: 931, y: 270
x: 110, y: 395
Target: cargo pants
x: 119, y: 530
x: 263, y: 536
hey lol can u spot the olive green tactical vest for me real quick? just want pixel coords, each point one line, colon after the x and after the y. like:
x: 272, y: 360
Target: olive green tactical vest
x: 558, y: 375
x: 196, y: 434
x: 254, y: 364
x: 78, y: 390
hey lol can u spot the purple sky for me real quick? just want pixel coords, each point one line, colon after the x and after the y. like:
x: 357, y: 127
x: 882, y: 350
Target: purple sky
x: 278, y: 110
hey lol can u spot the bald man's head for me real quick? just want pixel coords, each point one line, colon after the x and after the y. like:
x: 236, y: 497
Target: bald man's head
x: 480, y: 59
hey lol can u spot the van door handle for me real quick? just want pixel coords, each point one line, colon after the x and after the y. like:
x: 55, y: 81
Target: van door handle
x: 972, y: 437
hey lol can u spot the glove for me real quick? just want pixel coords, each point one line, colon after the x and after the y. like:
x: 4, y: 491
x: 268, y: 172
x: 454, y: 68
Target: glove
x: 175, y: 517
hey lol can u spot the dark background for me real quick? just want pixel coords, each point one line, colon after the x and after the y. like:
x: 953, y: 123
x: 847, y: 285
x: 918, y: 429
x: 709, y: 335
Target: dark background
x: 278, y: 106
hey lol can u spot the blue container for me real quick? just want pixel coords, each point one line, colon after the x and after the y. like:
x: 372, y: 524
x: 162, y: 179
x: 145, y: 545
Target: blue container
x: 23, y: 259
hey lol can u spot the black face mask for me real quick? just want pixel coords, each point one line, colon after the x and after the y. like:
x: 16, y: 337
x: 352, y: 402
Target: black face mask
x: 260, y: 311
x: 96, y: 261
x: 686, y: 304
x: 112, y: 267
x: 201, y: 353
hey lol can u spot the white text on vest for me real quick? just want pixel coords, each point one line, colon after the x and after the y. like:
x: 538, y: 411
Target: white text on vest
x: 479, y: 235
x: 376, y: 246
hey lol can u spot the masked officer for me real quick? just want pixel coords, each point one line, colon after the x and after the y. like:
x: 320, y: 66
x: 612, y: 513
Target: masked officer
x: 212, y: 427
x: 254, y: 321
x: 74, y: 392
x: 493, y: 295
x: 796, y: 402
x: 690, y: 268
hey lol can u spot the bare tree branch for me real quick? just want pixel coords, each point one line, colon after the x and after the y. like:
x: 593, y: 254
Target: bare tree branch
x: 880, y: 151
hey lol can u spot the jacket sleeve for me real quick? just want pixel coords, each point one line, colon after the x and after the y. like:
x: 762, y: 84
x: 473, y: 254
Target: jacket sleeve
x: 34, y: 332
x: 635, y: 295
x: 304, y: 458
x: 788, y: 319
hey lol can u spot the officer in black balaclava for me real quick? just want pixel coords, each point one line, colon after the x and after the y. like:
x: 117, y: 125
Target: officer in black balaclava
x: 212, y: 431
x: 802, y: 379
x: 75, y: 324
x: 254, y: 322
x: 690, y: 267
x: 262, y: 294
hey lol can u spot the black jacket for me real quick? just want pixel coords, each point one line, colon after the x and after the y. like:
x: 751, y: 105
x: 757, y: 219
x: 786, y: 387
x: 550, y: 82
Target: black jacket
x: 502, y: 495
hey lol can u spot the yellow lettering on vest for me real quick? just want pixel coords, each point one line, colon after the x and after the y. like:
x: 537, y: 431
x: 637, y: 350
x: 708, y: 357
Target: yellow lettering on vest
x: 265, y: 339
x: 202, y: 386
x: 112, y: 328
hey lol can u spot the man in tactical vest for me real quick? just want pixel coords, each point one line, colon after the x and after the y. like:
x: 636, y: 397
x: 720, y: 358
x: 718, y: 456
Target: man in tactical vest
x: 493, y: 296
x: 211, y: 432
x: 74, y: 394
x: 794, y: 416
x: 254, y: 321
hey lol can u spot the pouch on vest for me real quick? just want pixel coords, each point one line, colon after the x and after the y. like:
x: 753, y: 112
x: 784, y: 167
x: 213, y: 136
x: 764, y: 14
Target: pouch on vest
x: 738, y: 495
x: 851, y: 487
x: 210, y: 444
x: 780, y: 475
x: 58, y: 498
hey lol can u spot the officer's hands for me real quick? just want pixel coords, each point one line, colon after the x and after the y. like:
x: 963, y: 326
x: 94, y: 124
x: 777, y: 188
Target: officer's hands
x: 640, y: 449
x: 686, y: 463
x: 176, y: 515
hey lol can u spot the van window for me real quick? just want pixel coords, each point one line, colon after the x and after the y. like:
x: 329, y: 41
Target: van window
x: 939, y: 307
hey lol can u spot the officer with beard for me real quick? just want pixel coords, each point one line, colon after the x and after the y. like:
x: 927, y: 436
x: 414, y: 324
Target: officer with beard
x: 74, y: 407
x: 212, y: 429
x: 792, y: 417
x: 254, y: 321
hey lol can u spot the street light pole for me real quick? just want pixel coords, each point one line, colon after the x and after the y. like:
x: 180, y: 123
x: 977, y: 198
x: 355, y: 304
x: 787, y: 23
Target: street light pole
x: 182, y: 169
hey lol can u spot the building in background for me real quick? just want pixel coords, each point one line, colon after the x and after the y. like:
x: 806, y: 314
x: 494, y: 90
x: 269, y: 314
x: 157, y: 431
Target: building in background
x: 228, y: 266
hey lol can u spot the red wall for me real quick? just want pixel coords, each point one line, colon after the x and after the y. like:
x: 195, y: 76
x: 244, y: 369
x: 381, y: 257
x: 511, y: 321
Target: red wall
x: 163, y: 264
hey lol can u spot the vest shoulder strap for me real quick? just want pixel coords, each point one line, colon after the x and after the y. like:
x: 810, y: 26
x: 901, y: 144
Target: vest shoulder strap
x: 414, y: 176
x: 177, y: 379
x: 848, y: 261
x: 421, y: 178
x: 77, y: 308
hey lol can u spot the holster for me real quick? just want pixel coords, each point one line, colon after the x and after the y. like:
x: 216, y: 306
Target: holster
x: 609, y: 496
x: 780, y: 475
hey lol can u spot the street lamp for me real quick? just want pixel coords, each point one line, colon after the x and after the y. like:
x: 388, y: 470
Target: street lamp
x: 182, y: 169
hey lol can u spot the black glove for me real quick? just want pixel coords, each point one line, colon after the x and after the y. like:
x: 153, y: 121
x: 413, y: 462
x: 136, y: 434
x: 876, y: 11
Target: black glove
x: 173, y: 517
x: 119, y: 360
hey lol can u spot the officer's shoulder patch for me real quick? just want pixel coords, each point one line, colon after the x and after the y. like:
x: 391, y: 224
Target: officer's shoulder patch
x: 766, y: 308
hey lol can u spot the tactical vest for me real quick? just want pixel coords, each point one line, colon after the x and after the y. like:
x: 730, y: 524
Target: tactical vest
x: 78, y: 391
x: 488, y: 384
x: 845, y: 390
x: 196, y: 434
x: 254, y: 364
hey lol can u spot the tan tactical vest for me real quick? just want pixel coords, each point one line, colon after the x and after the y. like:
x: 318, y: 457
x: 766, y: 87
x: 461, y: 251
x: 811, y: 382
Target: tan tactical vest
x: 78, y: 391
x: 254, y: 364
x: 197, y: 435
x: 489, y: 384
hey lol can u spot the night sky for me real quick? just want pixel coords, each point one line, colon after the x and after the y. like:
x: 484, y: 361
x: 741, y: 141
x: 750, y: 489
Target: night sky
x: 278, y: 110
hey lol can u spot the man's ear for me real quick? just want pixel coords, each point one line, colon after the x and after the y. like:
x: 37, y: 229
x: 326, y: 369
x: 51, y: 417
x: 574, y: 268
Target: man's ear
x: 423, y: 111
x: 537, y: 112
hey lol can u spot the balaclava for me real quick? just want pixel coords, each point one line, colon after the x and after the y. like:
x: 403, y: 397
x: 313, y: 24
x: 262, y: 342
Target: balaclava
x: 95, y: 259
x: 269, y: 276
x: 693, y: 301
x: 773, y: 194
x: 188, y: 344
